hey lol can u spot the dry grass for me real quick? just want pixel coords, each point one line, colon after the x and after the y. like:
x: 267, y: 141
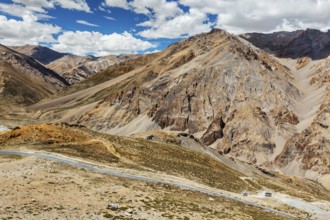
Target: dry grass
x: 137, y: 153
x: 167, y: 158
x: 71, y: 193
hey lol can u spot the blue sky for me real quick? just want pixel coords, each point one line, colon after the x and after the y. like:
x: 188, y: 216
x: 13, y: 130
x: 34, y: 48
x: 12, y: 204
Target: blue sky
x: 102, y: 27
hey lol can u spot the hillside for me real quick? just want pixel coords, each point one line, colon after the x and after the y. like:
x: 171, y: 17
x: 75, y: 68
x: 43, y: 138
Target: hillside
x: 215, y: 86
x: 196, y: 85
x: 165, y: 160
x: 72, y: 68
x: 43, y: 55
x: 307, y: 152
x: 211, y: 108
x: 24, y: 81
x: 77, y: 68
x: 310, y: 43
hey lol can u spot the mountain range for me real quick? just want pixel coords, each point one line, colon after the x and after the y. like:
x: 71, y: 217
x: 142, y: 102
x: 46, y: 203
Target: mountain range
x: 310, y: 43
x: 260, y: 99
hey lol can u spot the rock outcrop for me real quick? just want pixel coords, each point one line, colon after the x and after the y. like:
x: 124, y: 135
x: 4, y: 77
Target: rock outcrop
x: 307, y: 153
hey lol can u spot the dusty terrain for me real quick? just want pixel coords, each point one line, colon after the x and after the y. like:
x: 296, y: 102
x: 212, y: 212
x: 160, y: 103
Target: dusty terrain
x: 164, y: 160
x: 211, y: 110
x: 259, y: 104
x: 36, y: 188
x: 260, y: 112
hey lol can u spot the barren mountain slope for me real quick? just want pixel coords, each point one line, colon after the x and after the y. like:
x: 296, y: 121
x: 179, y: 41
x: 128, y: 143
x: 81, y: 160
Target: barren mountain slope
x: 41, y: 54
x: 298, y: 44
x: 228, y: 94
x: 307, y: 153
x: 211, y: 85
x: 77, y: 68
x: 23, y: 80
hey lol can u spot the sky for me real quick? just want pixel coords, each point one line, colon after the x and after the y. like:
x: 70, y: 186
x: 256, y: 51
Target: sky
x: 103, y: 27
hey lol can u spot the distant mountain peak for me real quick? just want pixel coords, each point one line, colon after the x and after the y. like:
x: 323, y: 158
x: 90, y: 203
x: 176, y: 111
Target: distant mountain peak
x: 24, y: 80
x: 311, y: 43
x: 42, y: 54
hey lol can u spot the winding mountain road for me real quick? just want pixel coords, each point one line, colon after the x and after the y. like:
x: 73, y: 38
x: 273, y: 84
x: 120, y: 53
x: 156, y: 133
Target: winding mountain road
x: 91, y: 167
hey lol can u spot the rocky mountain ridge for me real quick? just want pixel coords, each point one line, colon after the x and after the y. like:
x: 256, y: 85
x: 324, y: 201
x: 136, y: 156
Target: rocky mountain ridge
x: 72, y: 67
x: 310, y: 43
x: 212, y: 85
x: 25, y: 81
x: 77, y: 68
x: 231, y: 96
x: 44, y: 55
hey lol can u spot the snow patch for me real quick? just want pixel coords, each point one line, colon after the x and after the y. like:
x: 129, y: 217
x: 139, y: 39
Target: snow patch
x: 3, y: 128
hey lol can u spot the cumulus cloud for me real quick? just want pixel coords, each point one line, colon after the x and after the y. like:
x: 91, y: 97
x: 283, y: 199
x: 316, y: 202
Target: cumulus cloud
x: 117, y: 3
x: 190, y: 23
x: 80, y: 5
x: 168, y: 19
x: 40, y: 5
x: 165, y: 18
x: 35, y: 5
x: 27, y: 31
x: 21, y: 11
x: 86, y: 23
x: 84, y: 42
x: 241, y: 16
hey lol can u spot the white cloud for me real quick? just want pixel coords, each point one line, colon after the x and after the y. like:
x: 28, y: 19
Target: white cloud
x: 84, y: 42
x: 102, y: 7
x: 87, y: 23
x: 21, y: 11
x: 80, y: 5
x: 265, y: 16
x: 35, y: 5
x: 40, y: 5
x: 165, y: 18
x: 110, y: 18
x: 117, y: 3
x: 190, y: 23
x: 153, y: 51
x: 27, y: 31
x: 156, y: 9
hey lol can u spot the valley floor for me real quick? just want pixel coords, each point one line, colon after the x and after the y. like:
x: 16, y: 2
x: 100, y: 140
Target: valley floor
x: 47, y: 179
x: 34, y: 188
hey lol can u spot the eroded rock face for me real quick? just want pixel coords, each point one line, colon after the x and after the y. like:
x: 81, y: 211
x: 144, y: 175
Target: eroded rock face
x: 307, y: 154
x: 211, y: 85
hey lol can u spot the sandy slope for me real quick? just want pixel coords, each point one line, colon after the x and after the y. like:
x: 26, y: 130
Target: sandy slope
x: 72, y: 99
x: 155, y: 178
x: 311, y: 95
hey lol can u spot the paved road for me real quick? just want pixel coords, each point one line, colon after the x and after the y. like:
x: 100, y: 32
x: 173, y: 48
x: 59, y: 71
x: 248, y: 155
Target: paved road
x: 75, y: 163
